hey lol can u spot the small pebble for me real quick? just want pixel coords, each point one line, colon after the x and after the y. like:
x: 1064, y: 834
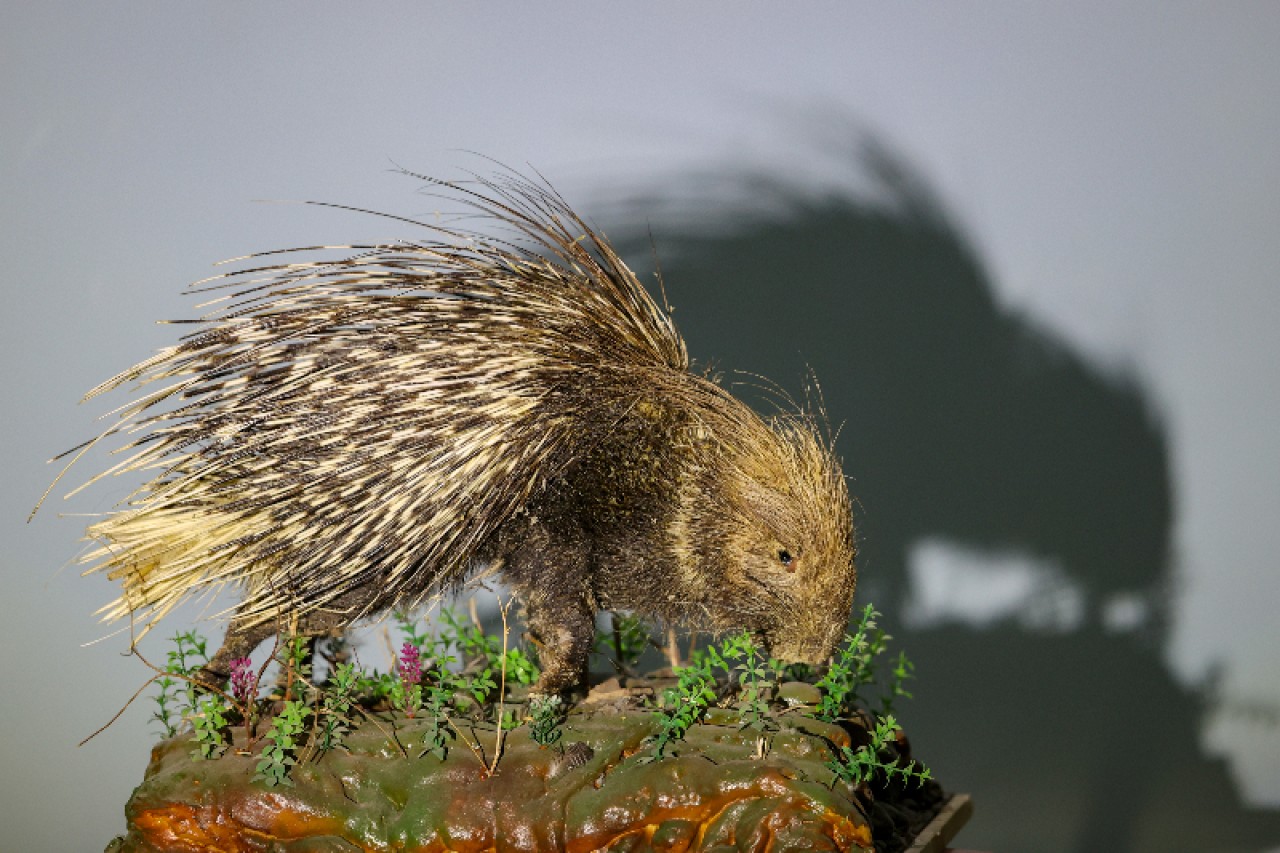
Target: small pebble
x: 799, y: 693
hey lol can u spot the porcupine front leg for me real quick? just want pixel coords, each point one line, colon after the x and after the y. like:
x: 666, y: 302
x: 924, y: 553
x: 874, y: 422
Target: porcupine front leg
x: 562, y: 630
x: 549, y: 573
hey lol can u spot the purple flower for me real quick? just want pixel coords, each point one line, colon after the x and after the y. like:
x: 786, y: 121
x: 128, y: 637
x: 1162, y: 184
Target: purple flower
x: 410, y: 664
x: 244, y: 682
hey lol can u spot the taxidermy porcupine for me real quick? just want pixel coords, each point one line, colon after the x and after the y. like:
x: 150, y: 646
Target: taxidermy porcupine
x: 338, y: 438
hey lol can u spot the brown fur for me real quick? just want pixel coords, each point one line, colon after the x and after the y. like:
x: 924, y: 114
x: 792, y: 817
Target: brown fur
x: 342, y: 438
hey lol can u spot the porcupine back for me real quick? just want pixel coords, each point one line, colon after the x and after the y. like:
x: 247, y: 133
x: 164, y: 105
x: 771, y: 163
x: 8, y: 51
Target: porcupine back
x: 332, y: 425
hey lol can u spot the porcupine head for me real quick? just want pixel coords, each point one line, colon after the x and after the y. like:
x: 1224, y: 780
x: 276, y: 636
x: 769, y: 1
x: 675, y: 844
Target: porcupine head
x: 340, y: 438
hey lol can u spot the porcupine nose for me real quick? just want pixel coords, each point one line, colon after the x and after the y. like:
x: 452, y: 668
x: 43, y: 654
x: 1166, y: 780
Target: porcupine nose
x: 811, y: 647
x: 812, y: 653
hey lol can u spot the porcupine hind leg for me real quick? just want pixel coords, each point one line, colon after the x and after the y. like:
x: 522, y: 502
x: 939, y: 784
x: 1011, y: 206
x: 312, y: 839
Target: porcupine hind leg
x: 242, y: 638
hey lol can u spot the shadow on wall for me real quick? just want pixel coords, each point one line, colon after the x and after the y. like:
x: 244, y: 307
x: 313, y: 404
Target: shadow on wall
x: 965, y: 424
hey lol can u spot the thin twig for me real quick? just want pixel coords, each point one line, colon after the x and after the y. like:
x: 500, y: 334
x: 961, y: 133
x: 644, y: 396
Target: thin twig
x: 502, y: 687
x: 250, y: 719
x: 132, y: 698
x: 477, y: 750
x: 313, y: 741
x: 159, y: 673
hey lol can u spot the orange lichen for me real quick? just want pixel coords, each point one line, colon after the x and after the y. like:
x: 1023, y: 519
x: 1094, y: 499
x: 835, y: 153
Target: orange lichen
x: 844, y: 833
x: 179, y: 827
x: 708, y: 813
x: 218, y: 829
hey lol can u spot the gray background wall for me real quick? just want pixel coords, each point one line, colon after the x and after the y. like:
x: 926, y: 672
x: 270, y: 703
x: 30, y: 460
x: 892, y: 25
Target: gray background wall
x: 1100, y: 179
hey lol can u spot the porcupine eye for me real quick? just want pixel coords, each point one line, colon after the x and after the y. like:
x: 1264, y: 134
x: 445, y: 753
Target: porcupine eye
x: 784, y: 557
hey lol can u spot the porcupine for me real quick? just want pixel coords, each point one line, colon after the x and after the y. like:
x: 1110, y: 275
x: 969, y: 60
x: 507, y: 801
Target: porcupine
x: 339, y: 438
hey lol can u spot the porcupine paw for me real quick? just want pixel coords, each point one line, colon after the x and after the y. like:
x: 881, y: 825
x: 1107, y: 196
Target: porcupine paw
x: 561, y: 677
x: 570, y: 694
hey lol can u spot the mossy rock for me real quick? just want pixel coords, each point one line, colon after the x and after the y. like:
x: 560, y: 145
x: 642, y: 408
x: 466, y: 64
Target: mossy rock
x: 603, y: 789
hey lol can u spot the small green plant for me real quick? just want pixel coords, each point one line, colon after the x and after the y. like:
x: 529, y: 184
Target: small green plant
x: 707, y: 660
x: 481, y: 685
x: 633, y: 637
x: 376, y: 688
x: 188, y: 654
x: 438, y: 690
x: 295, y: 667
x: 339, y: 695
x: 437, y: 736
x: 853, y: 668
x: 446, y: 684
x: 546, y: 715
x: 686, y: 703
x: 630, y: 636
x: 408, y: 624
x: 520, y: 667
x: 475, y: 646
x: 753, y: 674
x: 163, y: 713
x: 282, y: 744
x: 208, y: 724
x: 903, y: 670
x: 856, y: 766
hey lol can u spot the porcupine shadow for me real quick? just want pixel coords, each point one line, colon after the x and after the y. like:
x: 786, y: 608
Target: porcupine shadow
x: 965, y: 422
